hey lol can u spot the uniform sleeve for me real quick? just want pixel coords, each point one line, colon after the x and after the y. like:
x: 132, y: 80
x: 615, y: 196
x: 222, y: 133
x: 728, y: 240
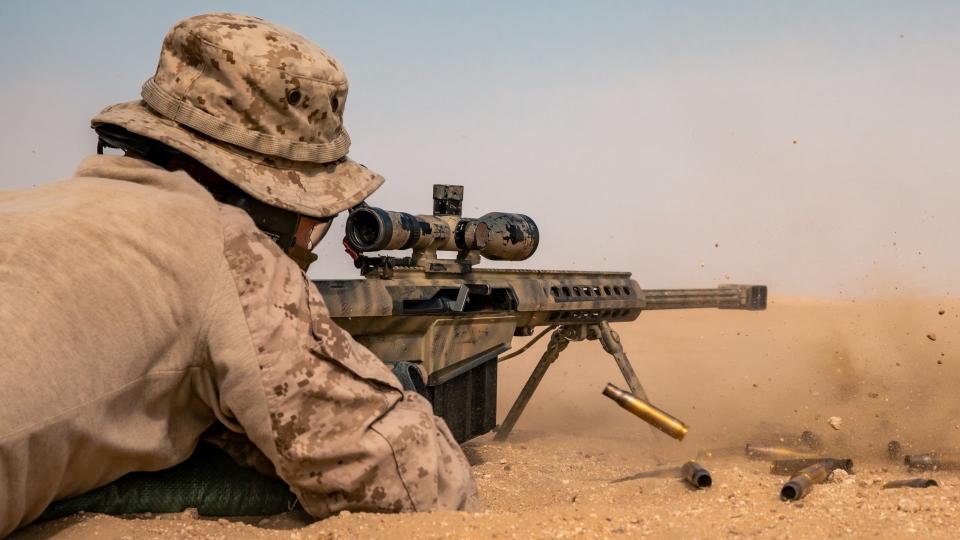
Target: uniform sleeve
x: 340, y: 430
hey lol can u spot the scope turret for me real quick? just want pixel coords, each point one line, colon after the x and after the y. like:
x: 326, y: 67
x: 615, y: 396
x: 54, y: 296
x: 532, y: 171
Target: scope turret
x: 496, y: 235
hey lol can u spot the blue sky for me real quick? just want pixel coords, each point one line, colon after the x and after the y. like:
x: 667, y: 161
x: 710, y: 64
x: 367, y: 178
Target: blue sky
x: 815, y: 143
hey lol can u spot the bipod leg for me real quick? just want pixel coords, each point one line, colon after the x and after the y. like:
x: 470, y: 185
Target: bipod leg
x: 611, y: 343
x: 558, y: 342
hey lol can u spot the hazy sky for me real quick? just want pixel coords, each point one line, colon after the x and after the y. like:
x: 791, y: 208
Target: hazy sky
x: 811, y: 146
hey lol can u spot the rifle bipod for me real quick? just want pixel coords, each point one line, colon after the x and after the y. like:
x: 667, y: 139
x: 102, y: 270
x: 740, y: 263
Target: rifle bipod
x: 559, y: 340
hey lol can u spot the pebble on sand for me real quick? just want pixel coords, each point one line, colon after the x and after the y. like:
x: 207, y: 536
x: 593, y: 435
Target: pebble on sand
x: 908, y: 505
x: 835, y: 422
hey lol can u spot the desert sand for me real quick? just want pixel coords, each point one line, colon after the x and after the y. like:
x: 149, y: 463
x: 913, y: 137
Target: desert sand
x: 888, y: 368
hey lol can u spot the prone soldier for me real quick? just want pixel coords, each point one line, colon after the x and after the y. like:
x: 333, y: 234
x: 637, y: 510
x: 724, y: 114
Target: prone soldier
x: 158, y: 292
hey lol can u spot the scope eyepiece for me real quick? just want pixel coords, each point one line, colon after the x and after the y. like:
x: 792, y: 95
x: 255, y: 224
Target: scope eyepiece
x: 375, y: 229
x: 366, y: 228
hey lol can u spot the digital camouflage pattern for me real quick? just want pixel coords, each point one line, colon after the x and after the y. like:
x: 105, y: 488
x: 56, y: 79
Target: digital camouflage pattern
x: 206, y: 319
x: 258, y: 104
x: 263, y: 107
x: 194, y: 321
x: 346, y: 435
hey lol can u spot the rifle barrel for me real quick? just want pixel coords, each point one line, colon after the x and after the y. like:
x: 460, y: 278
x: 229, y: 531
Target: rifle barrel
x: 749, y: 297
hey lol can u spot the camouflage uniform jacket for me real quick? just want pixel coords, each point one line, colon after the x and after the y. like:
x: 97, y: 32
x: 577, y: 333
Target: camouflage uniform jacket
x: 137, y: 311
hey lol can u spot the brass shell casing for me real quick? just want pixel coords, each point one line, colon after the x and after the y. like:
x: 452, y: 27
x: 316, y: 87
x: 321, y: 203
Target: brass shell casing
x: 800, y: 485
x: 791, y: 467
x: 912, y: 483
x: 647, y: 412
x: 934, y: 461
x: 695, y: 475
x: 776, y: 452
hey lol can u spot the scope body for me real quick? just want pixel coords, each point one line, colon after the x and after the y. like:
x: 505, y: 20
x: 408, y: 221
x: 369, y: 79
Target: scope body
x: 497, y: 236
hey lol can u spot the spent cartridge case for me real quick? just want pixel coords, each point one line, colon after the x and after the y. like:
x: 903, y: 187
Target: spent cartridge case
x: 934, y: 461
x: 800, y: 485
x: 791, y: 467
x: 776, y: 452
x: 647, y: 412
x: 912, y: 483
x: 804, y: 441
x: 695, y: 475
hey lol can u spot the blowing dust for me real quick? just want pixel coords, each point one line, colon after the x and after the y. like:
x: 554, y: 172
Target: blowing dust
x: 888, y: 369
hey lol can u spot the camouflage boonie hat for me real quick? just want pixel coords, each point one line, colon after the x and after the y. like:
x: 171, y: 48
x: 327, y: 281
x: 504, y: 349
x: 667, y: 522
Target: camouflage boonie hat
x: 259, y: 105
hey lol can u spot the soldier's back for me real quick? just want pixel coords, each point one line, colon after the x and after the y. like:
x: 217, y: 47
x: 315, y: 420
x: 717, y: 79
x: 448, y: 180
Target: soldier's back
x: 104, y: 279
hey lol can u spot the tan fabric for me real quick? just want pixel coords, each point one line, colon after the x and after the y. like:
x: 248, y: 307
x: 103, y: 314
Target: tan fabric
x: 310, y: 189
x: 337, y: 413
x: 257, y: 103
x: 136, y: 311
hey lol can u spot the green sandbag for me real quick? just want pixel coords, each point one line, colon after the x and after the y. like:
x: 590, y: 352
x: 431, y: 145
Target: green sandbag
x: 209, y: 481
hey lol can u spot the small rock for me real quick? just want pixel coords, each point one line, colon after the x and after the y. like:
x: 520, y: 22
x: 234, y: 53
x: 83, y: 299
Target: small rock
x: 908, y: 505
x: 502, y: 461
x: 941, y: 312
x: 190, y: 513
x: 839, y: 476
x: 834, y: 422
x: 931, y: 336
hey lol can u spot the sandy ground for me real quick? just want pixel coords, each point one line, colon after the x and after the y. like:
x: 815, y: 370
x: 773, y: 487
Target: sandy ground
x: 888, y: 369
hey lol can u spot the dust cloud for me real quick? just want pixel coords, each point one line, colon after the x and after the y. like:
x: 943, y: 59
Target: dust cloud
x: 888, y: 368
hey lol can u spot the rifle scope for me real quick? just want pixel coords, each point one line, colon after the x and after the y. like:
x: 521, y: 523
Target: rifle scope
x: 497, y: 236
